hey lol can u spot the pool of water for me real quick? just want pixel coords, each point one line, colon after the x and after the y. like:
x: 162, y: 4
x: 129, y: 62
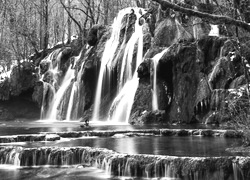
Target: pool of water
x: 31, y: 127
x: 195, y: 146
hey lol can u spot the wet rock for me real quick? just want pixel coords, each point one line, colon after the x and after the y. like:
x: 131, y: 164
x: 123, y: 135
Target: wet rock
x: 52, y: 137
x: 182, y: 132
x: 146, y: 41
x: 168, y: 132
x: 37, y: 95
x: 144, y: 69
x: 5, y: 114
x: 95, y: 34
x: 4, y: 89
x: 149, y: 117
x: 232, y: 134
x: 127, y: 27
x: 49, y: 77
x: 21, y: 138
x: 21, y: 80
x: 44, y: 65
x: 207, y: 132
x: 70, y: 134
x: 169, y: 31
x: 149, y: 132
x: 20, y: 107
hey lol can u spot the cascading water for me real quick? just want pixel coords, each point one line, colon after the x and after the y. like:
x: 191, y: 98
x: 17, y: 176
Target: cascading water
x: 107, y: 57
x: 155, y: 61
x: 122, y: 104
x: 46, y: 88
x: 117, y: 164
x: 55, y: 88
x: 71, y: 101
x: 75, y: 89
x: 60, y: 94
x: 47, y: 85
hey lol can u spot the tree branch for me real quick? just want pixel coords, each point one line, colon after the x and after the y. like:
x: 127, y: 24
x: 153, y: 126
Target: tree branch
x: 215, y: 19
x: 79, y: 9
x: 75, y: 21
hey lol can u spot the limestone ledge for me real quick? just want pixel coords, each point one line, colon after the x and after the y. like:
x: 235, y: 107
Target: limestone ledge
x: 49, y: 136
x: 29, y: 138
x: 152, y: 132
x: 118, y: 164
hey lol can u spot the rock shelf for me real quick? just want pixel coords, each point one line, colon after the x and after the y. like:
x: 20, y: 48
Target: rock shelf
x: 155, y: 132
x: 49, y: 136
x: 117, y: 164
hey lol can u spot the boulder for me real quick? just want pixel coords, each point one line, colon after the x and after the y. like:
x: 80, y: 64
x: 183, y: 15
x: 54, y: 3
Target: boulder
x: 148, y: 117
x: 95, y: 34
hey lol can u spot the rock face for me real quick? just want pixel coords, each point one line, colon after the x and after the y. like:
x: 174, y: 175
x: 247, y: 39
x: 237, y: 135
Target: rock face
x: 195, y: 77
x: 22, y: 78
x: 16, y: 93
x: 19, y: 107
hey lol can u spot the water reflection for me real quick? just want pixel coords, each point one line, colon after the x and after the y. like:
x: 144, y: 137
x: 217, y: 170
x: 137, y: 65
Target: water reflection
x: 173, y: 146
x: 31, y: 127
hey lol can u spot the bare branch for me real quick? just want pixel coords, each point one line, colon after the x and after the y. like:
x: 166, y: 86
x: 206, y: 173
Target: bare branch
x: 215, y: 19
x: 70, y: 15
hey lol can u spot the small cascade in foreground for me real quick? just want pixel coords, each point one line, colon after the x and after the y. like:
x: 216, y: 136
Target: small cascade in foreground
x: 116, y: 164
x: 155, y: 61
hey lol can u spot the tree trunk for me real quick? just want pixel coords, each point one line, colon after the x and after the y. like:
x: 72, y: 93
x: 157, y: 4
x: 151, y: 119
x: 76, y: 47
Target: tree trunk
x: 41, y: 32
x: 106, y: 12
x: 44, y: 25
x: 69, y: 22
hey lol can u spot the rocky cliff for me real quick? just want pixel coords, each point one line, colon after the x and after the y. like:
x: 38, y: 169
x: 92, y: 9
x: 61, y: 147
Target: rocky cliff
x: 198, y: 76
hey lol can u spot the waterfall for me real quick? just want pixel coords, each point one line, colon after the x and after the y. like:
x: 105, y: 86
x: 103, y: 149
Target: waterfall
x: 155, y: 61
x: 122, y: 104
x: 108, y: 55
x: 53, y: 111
x: 75, y: 88
x: 111, y: 54
x: 237, y: 172
x: 71, y: 101
x: 46, y: 88
x: 214, y: 30
x: 53, y: 69
x: 55, y: 106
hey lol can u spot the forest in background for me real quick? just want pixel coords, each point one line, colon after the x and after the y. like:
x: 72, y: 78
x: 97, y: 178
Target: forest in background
x: 28, y: 27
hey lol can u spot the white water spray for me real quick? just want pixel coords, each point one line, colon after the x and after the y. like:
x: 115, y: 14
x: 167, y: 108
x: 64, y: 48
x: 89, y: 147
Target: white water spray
x: 108, y: 55
x: 122, y: 104
x: 155, y: 60
x: 59, y: 94
x: 71, y: 101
